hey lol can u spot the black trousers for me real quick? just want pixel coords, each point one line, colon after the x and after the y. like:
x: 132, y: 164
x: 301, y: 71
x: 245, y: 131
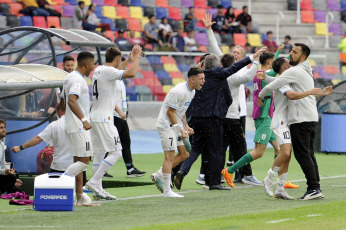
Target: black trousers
x: 207, y: 140
x: 124, y: 134
x: 234, y: 136
x: 7, y: 183
x: 303, y: 136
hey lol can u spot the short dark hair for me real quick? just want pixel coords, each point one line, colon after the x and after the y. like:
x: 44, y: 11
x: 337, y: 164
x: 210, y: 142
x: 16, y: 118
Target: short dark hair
x: 61, y: 105
x: 150, y: 16
x: 269, y: 32
x: 227, y: 60
x: 265, y: 56
x: 80, y: 3
x: 91, y: 5
x: 112, y: 53
x: 305, y: 49
x: 220, y: 6
x: 288, y: 37
x: 277, y: 64
x: 191, y: 7
x: 2, y: 121
x: 194, y: 71
x: 244, y: 7
x: 83, y: 56
x: 203, y: 57
x: 67, y: 58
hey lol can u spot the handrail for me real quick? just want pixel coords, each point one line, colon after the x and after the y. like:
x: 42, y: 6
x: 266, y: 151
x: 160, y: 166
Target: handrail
x: 298, y: 21
x: 326, y: 45
x: 249, y: 3
x: 279, y: 16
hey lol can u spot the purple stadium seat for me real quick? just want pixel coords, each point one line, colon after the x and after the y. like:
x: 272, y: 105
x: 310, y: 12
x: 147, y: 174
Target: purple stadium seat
x: 201, y: 38
x: 334, y: 28
x: 325, y: 75
x: 98, y: 2
x: 187, y: 3
x: 320, y: 16
x: 212, y: 11
x: 68, y: 10
x: 333, y: 5
x: 318, y: 69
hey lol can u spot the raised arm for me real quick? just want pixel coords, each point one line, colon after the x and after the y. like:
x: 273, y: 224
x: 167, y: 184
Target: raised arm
x: 135, y: 56
x: 214, y: 47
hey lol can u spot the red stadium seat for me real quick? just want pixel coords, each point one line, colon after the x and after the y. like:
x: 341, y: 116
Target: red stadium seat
x: 139, y: 81
x: 57, y: 8
x: 176, y: 74
x: 201, y: 4
x: 307, y: 16
x: 53, y: 21
x: 200, y: 13
x: 162, y: 3
x: 331, y: 69
x: 110, y: 3
x: 174, y: 13
x: 39, y: 21
x: 239, y: 39
x: 123, y: 12
x: 15, y: 8
x: 110, y: 35
x: 237, y: 12
x: 167, y: 60
x: 306, y: 5
x: 59, y: 2
x: 134, y: 24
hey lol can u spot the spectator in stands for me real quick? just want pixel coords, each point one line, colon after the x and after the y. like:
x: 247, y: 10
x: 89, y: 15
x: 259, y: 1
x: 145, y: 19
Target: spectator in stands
x: 248, y: 48
x: 122, y: 43
x: 163, y: 40
x: 151, y: 30
x: 342, y: 54
x: 51, y: 10
x: 165, y: 26
x: 94, y: 20
x: 9, y: 181
x: 220, y: 21
x: 133, y: 40
x: 31, y: 8
x: 178, y: 41
x: 190, y: 21
x: 245, y: 21
x: 81, y: 16
x: 190, y: 42
x: 287, y: 45
x: 230, y: 22
x: 270, y: 43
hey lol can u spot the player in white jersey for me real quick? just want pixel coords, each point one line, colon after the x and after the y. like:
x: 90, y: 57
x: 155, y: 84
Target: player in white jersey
x: 77, y: 125
x: 281, y: 130
x: 172, y: 127
x: 105, y: 137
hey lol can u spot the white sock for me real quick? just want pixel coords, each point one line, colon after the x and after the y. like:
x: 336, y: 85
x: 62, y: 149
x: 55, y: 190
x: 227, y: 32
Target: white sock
x: 160, y: 173
x: 272, y: 174
x: 76, y: 168
x: 281, y: 182
x: 105, y: 165
x: 166, y: 182
x: 276, y: 169
x: 98, y: 158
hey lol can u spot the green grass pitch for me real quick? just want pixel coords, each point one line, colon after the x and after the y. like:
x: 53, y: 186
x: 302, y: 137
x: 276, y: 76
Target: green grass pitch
x: 140, y: 205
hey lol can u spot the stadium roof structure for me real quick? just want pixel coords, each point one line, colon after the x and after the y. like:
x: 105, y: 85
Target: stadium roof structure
x: 30, y: 77
x: 29, y: 44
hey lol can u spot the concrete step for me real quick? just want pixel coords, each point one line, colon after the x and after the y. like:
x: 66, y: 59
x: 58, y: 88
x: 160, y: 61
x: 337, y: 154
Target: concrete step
x: 268, y: 17
x: 270, y: 5
x: 289, y: 28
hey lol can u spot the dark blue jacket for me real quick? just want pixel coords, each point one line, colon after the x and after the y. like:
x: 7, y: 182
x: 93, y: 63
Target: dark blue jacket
x: 215, y: 97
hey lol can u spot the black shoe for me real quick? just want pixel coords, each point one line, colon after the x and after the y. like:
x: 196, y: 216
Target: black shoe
x: 219, y: 187
x: 312, y: 194
x: 135, y: 173
x: 179, y: 179
x: 107, y: 175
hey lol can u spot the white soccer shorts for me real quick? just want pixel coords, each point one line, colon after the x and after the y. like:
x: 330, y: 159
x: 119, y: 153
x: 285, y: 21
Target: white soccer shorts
x: 80, y: 144
x: 105, y: 137
x: 283, y: 135
x: 169, y: 140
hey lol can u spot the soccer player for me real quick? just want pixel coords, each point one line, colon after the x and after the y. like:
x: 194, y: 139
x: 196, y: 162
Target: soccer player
x: 172, y: 127
x: 77, y: 125
x: 105, y: 137
x: 302, y: 116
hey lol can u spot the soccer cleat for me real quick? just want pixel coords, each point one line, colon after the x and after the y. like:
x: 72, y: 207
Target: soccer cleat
x: 268, y: 186
x: 282, y: 195
x: 106, y: 175
x: 95, y: 189
x: 252, y: 180
x: 178, y: 180
x: 219, y: 187
x: 312, y: 194
x: 228, y: 177
x: 290, y: 185
x: 109, y: 196
x: 200, y: 180
x: 158, y: 181
x: 135, y: 173
x: 222, y: 180
x: 84, y: 200
x: 171, y: 194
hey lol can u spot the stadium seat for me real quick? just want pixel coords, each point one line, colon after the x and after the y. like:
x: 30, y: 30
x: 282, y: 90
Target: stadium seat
x: 227, y: 39
x: 144, y: 21
x: 200, y: 13
x: 144, y: 93
x: 15, y: 7
x: 110, y: 2
x: 201, y: 38
x: 174, y: 3
x: 25, y: 21
x: 213, y: 3
x: 175, y: 24
x: 320, y: 16
x: 109, y: 12
x: 167, y: 88
x: 162, y: 74
x: 170, y: 67
x: 121, y: 24
x: 123, y: 12
x: 57, y: 8
x: 331, y: 69
x: 53, y: 21
x: 6, y: 1
x: 134, y: 24
x: 306, y: 5
x: 68, y: 11
x: 124, y: 2
x: 167, y: 60
x: 150, y: 3
x: 39, y: 21
x: 225, y: 49
x: 239, y: 39
x: 139, y: 81
x: 154, y: 59
x: 176, y: 74
x: 174, y: 13
x: 71, y: 2
x: 176, y: 81
x: 5, y: 9
x: 226, y: 3
x: 110, y: 35
x: 136, y: 3
x: 212, y: 11
x: 343, y: 70
x: 187, y: 3
x: 333, y: 5
x: 98, y: 11
x: 254, y: 40
x: 307, y: 16
x: 183, y: 67
x: 237, y: 12
x: 343, y: 5
x: 109, y: 21
x: 312, y: 62
x: 147, y: 11
x: 67, y: 22
x: 136, y: 12
x: 98, y: 2
x: 161, y: 13
x: 320, y: 28
x: 162, y: 3
x: 201, y: 4
x: 334, y: 28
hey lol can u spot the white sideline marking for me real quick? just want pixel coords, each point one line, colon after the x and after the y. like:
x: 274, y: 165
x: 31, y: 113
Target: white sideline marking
x: 18, y: 209
x: 338, y: 185
x: 27, y: 226
x: 313, y: 215
x: 278, y: 221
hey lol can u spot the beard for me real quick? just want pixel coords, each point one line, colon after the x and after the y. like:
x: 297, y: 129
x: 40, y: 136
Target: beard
x: 293, y: 63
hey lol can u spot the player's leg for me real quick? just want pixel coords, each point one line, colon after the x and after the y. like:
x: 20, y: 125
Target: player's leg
x: 166, y: 171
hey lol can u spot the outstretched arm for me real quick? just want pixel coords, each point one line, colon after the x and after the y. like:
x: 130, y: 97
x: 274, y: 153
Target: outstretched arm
x: 214, y: 47
x: 32, y: 142
x: 292, y: 95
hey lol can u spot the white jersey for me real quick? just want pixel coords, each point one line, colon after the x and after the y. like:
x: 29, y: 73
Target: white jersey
x: 178, y: 98
x: 281, y: 107
x: 74, y: 84
x: 2, y: 157
x: 120, y: 98
x: 55, y: 132
x: 104, y: 98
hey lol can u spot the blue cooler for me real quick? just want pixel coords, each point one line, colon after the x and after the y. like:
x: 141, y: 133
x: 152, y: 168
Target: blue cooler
x: 54, y: 192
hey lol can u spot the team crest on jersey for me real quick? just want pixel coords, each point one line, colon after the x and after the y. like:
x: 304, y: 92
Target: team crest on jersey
x: 255, y: 86
x: 187, y: 103
x: 264, y: 136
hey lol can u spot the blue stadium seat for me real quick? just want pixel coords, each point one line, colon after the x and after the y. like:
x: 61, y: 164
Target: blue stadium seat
x: 183, y: 67
x: 162, y: 74
x: 109, y: 21
x: 154, y: 59
x: 25, y: 21
x: 98, y: 11
x: 72, y: 2
x: 343, y: 5
x: 136, y: 3
x: 161, y: 13
x: 226, y: 3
